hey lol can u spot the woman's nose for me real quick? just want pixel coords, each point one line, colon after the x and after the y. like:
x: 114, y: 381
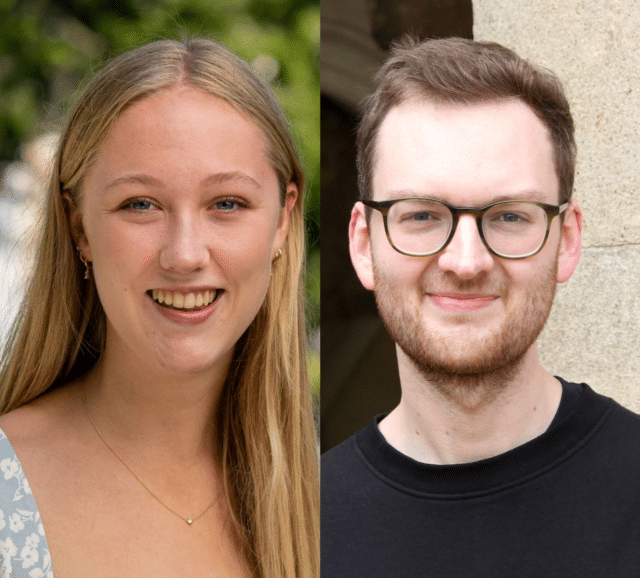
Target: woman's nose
x: 186, y: 249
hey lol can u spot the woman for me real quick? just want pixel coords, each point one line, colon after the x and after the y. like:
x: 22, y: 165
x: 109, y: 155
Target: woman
x: 154, y: 386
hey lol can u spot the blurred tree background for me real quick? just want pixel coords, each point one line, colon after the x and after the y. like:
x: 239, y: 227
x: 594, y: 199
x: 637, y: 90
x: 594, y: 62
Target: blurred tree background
x: 49, y: 47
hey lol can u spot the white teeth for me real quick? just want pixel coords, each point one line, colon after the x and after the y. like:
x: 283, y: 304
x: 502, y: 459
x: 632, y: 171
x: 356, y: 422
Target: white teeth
x: 182, y: 301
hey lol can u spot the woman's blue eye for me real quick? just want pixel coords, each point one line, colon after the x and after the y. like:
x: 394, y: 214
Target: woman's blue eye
x: 140, y: 205
x: 226, y: 205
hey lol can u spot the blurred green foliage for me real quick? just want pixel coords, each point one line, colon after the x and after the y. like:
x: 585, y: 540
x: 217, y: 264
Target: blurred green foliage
x: 47, y: 48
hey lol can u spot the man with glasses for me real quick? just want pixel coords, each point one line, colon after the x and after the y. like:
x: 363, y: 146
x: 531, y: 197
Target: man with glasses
x: 489, y: 466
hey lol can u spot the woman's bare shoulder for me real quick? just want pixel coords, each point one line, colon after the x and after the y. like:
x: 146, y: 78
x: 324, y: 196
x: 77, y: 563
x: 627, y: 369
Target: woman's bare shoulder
x: 42, y: 421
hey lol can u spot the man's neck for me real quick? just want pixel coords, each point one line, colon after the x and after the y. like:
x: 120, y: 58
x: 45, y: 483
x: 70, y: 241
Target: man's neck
x: 472, y: 419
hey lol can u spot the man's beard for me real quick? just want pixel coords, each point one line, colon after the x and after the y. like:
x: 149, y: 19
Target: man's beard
x: 468, y: 369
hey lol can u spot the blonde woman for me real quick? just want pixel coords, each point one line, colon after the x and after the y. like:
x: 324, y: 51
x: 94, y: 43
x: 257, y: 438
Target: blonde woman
x: 154, y: 387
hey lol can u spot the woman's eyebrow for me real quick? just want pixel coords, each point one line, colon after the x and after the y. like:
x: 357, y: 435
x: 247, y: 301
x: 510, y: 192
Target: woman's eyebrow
x: 136, y: 179
x: 229, y: 176
x: 211, y: 180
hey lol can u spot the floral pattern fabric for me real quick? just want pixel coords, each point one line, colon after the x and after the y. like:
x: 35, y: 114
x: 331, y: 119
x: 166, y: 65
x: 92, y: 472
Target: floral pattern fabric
x: 24, y: 552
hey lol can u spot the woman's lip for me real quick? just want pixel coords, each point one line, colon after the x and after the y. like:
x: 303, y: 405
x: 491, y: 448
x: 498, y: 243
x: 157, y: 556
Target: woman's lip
x: 184, y: 290
x: 462, y: 302
x: 187, y: 316
x: 188, y: 301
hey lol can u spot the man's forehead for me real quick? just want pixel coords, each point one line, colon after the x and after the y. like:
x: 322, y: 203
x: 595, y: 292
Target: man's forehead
x: 455, y: 114
x: 500, y: 145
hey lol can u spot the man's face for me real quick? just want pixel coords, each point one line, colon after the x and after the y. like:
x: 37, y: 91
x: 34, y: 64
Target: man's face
x: 464, y: 311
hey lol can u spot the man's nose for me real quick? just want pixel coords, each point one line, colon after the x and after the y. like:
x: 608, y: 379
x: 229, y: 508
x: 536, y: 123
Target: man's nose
x: 186, y: 249
x: 466, y: 254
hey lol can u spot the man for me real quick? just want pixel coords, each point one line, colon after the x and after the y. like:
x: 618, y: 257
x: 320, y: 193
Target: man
x: 489, y: 466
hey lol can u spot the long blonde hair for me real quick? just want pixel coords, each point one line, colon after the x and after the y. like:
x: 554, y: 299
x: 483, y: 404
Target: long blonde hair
x: 268, y: 453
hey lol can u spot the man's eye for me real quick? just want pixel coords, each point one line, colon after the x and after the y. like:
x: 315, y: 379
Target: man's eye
x: 418, y: 217
x: 422, y: 217
x: 510, y: 218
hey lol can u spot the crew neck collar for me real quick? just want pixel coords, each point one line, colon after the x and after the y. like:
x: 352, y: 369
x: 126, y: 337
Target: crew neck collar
x: 580, y: 414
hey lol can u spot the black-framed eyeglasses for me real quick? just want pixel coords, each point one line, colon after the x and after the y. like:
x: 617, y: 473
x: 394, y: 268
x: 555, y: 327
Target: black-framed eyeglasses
x: 511, y: 229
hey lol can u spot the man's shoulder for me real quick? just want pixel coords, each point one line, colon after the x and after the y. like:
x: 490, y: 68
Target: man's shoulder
x: 617, y: 415
x: 623, y: 424
x: 584, y: 398
x: 349, y: 468
x: 626, y: 416
x: 601, y: 429
x: 340, y: 459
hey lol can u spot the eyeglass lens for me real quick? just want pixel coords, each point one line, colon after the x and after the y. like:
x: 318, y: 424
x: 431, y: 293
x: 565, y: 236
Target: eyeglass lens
x: 423, y: 226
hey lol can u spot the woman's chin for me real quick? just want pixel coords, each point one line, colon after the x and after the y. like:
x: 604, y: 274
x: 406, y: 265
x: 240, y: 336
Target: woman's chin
x: 189, y: 362
x: 188, y: 366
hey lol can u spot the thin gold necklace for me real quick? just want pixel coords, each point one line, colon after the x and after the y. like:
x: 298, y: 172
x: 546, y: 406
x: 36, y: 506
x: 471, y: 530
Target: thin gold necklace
x: 95, y: 427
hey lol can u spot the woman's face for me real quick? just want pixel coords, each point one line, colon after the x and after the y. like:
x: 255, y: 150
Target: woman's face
x: 181, y: 217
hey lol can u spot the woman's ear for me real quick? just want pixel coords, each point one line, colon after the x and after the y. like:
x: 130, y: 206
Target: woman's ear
x: 76, y: 225
x: 570, y: 242
x: 285, y: 214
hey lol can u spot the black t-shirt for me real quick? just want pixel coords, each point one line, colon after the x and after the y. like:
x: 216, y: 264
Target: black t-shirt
x: 565, y: 504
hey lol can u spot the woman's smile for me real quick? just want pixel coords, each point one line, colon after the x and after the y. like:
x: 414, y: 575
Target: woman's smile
x: 186, y: 307
x: 188, y: 316
x: 189, y: 300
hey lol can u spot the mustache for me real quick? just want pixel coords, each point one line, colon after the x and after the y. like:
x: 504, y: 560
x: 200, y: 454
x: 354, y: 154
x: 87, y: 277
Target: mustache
x: 452, y: 284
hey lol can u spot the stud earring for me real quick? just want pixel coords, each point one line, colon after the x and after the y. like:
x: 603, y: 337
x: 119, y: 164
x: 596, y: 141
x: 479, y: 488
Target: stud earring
x: 85, y: 262
x: 278, y: 255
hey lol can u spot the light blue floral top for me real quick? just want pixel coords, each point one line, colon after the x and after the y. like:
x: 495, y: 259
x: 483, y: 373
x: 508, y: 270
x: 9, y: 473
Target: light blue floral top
x: 24, y: 552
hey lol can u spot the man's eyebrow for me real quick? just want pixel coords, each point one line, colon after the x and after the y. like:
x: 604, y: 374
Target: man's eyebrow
x: 407, y: 194
x: 521, y: 195
x: 524, y: 195
x: 213, y: 179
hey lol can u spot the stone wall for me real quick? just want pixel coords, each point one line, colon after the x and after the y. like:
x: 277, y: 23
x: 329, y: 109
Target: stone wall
x: 593, y: 334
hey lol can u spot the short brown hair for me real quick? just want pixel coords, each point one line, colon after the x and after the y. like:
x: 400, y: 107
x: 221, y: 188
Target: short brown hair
x: 461, y: 71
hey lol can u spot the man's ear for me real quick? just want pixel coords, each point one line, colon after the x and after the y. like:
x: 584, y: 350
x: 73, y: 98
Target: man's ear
x: 76, y: 225
x: 285, y: 215
x: 570, y: 242
x: 360, y: 246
